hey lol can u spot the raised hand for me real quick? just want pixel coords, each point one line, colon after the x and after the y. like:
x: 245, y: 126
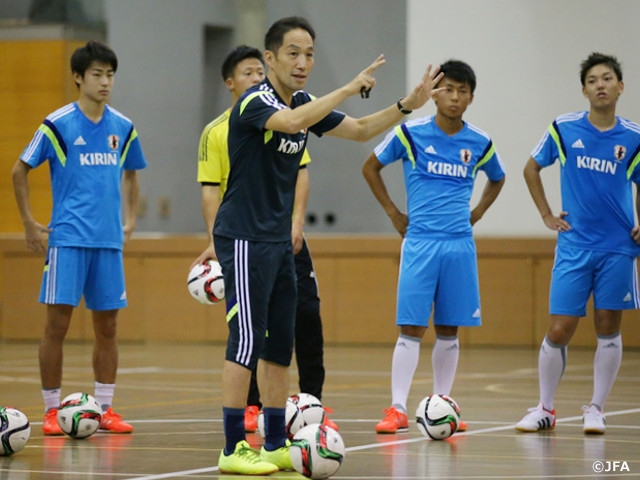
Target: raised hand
x: 365, y: 81
x: 425, y: 89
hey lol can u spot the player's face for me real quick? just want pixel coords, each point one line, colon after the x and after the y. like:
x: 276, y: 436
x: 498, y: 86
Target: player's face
x: 97, y: 82
x: 453, y: 101
x: 602, y: 87
x: 292, y: 63
x: 248, y: 72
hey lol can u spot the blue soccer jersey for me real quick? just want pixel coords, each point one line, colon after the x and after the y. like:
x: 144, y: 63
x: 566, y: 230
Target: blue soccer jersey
x: 439, y: 172
x: 596, y: 172
x: 264, y: 167
x: 86, y: 161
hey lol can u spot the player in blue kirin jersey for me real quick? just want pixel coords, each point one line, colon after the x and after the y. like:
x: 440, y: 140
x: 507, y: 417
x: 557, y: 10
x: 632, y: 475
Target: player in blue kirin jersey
x: 93, y: 152
x: 597, y: 239
x: 268, y: 131
x: 441, y: 157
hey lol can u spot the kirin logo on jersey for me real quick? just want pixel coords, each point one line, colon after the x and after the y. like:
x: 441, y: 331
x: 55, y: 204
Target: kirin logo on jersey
x: 287, y: 146
x: 114, y: 142
x: 619, y: 152
x: 465, y: 155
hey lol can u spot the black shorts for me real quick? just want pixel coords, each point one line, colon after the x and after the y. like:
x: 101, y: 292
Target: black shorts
x: 260, y: 294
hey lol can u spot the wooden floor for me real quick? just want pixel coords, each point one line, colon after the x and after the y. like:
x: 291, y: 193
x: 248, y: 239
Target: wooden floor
x: 171, y: 394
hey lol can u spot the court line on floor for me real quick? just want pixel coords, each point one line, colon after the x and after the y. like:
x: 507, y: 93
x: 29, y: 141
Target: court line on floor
x: 394, y: 442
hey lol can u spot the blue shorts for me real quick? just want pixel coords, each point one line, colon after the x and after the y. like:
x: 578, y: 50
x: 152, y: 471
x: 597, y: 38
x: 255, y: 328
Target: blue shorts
x: 96, y: 273
x: 438, y: 274
x: 611, y: 277
x: 260, y: 294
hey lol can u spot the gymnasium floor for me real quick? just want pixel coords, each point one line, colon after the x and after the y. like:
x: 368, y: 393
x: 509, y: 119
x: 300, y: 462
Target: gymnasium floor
x: 171, y: 394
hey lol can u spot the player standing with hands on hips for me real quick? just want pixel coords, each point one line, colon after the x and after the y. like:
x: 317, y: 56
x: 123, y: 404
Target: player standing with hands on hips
x: 94, y: 154
x: 441, y: 157
x: 598, y: 240
x: 268, y: 131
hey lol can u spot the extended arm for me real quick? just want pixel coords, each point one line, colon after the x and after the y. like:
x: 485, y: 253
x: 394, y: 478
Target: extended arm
x: 299, y: 209
x: 131, y: 192
x: 33, y: 230
x: 365, y: 128
x: 489, y: 195
x: 536, y: 189
x: 371, y: 171
x: 293, y: 120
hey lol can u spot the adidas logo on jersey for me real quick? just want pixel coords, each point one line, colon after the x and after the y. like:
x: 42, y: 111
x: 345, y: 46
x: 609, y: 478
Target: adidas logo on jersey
x: 476, y: 314
x: 124, y: 295
x: 79, y: 141
x: 577, y: 144
x: 430, y: 150
x: 627, y: 297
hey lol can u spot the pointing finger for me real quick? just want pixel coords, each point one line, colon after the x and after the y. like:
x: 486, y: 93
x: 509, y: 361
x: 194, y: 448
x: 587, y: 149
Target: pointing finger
x: 376, y: 63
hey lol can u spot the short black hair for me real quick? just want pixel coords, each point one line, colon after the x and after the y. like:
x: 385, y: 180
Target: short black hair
x: 93, y: 51
x: 275, y: 35
x: 459, y: 71
x: 237, y: 55
x: 597, y: 58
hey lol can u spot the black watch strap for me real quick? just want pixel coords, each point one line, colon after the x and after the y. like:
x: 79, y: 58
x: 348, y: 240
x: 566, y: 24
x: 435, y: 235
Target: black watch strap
x: 402, y: 109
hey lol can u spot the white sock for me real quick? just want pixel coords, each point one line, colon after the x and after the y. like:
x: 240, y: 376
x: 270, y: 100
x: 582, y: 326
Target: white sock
x: 552, y: 360
x: 104, y: 394
x: 404, y: 364
x: 51, y: 397
x: 444, y: 361
x: 605, y: 367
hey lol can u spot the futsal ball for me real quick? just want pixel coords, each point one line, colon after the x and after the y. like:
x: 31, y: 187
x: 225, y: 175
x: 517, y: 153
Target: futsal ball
x: 79, y: 415
x: 205, y: 282
x: 292, y: 418
x: 317, y: 451
x: 14, y: 431
x: 438, y: 416
x: 310, y: 407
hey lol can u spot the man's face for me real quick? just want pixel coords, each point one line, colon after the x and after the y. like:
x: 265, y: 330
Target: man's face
x: 248, y: 72
x: 293, y: 61
x: 97, y: 82
x: 453, y: 101
x: 601, y: 86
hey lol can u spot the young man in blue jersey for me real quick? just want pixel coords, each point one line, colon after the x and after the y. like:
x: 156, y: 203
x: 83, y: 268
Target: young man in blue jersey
x: 268, y: 131
x: 243, y: 68
x: 441, y: 156
x: 597, y: 243
x: 93, y: 153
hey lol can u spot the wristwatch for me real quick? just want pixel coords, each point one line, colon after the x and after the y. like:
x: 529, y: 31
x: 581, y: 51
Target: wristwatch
x: 402, y: 109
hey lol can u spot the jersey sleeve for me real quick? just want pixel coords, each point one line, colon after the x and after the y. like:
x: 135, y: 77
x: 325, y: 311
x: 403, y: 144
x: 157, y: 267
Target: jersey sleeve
x: 491, y: 163
x: 546, y: 152
x: 257, y: 107
x: 132, y: 155
x: 633, y: 170
x: 41, y: 148
x: 391, y: 148
x: 327, y: 123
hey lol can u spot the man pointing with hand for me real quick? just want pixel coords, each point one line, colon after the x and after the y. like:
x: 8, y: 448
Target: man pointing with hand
x: 268, y: 131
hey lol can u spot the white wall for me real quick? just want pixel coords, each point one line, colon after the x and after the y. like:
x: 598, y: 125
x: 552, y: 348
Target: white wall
x: 526, y: 55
